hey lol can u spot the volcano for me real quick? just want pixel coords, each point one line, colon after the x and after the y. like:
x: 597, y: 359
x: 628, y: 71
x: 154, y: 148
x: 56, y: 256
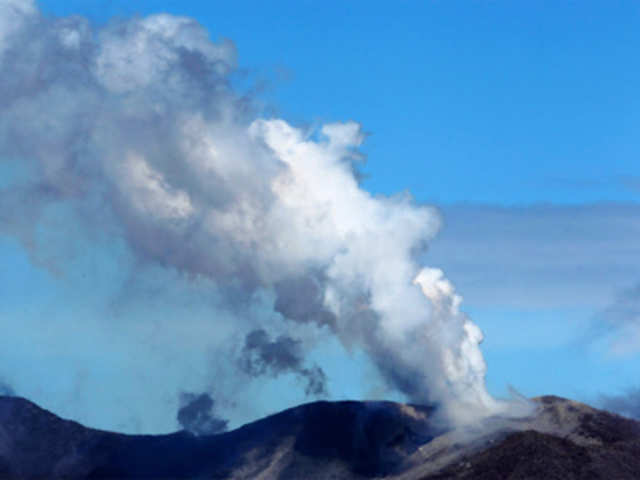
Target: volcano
x: 562, y: 439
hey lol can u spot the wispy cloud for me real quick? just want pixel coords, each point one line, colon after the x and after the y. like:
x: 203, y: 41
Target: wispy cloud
x: 549, y: 256
x: 627, y: 404
x: 620, y: 321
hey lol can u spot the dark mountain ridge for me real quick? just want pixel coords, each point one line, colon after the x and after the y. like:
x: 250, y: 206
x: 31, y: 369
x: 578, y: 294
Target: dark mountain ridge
x: 346, y: 440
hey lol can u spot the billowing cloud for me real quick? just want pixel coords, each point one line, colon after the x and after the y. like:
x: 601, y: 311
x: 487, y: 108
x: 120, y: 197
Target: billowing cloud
x: 196, y: 414
x: 135, y: 130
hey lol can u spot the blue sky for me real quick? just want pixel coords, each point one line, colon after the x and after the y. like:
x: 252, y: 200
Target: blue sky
x: 518, y: 120
x: 501, y: 103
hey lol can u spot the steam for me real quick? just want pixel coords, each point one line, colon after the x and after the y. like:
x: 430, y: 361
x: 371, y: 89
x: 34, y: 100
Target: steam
x: 135, y: 128
x: 196, y: 414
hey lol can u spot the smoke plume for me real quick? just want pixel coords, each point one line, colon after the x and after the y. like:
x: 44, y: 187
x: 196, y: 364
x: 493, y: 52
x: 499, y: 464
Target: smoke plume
x: 135, y: 130
x: 261, y: 355
x: 196, y: 414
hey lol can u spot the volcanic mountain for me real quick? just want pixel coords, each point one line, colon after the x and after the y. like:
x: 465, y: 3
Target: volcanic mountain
x: 562, y: 439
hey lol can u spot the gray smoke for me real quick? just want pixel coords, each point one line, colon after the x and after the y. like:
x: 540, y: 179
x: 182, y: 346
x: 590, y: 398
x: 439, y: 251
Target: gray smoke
x: 302, y: 299
x: 261, y: 355
x: 196, y: 414
x: 132, y: 131
x: 316, y: 381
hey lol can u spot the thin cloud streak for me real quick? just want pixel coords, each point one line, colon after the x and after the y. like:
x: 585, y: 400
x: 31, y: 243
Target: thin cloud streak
x: 539, y: 257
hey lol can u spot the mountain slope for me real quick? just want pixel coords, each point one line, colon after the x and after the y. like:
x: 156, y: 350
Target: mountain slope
x: 347, y: 440
x: 564, y: 440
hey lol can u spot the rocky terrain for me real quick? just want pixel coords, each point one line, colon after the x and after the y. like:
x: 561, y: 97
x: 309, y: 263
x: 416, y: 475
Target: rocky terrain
x: 339, y: 440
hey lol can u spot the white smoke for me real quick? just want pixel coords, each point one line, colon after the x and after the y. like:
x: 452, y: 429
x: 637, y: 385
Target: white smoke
x: 135, y: 126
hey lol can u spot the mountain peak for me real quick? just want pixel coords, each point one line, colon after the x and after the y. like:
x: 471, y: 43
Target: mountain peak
x: 348, y: 439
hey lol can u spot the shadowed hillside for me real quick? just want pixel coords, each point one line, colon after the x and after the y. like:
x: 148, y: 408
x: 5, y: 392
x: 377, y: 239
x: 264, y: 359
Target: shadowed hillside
x: 341, y: 440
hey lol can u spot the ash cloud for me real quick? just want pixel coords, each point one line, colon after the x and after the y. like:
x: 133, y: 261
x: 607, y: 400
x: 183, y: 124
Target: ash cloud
x: 301, y: 299
x: 316, y: 381
x: 133, y: 130
x: 263, y: 356
x: 197, y: 414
